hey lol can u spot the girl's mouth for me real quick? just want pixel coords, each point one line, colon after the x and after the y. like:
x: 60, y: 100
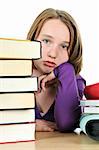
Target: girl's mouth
x: 49, y: 64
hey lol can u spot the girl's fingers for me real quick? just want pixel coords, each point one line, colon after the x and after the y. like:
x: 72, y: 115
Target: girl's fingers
x: 44, y: 128
x: 47, y: 78
x: 51, y: 125
x: 43, y: 79
x: 48, y: 129
x: 43, y: 83
x: 40, y: 82
x: 43, y: 125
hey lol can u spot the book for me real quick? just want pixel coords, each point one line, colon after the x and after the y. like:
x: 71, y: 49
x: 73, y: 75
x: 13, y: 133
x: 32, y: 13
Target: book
x: 91, y: 110
x: 17, y: 100
x: 17, y: 133
x: 89, y: 124
x: 18, y: 84
x: 89, y: 102
x: 12, y: 116
x: 15, y: 67
x: 19, y: 49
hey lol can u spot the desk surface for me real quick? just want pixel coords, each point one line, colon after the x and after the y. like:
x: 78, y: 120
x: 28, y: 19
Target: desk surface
x: 55, y: 140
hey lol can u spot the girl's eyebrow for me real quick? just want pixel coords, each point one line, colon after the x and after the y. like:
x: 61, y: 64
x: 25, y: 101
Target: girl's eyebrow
x: 46, y: 35
x: 49, y: 36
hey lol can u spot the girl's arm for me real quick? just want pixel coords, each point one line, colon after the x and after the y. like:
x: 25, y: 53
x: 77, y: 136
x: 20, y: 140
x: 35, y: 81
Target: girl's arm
x: 67, y: 110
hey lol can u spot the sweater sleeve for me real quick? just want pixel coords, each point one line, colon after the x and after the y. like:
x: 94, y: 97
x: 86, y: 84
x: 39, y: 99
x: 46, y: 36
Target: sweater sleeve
x: 67, y: 110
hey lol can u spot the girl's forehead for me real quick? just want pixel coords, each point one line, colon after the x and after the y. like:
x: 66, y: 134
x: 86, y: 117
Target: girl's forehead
x: 54, y: 23
x: 55, y: 27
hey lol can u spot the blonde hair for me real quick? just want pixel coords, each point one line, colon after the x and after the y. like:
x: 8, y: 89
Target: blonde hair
x: 75, y: 47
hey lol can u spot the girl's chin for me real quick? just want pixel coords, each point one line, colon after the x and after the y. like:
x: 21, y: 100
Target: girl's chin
x: 47, y: 71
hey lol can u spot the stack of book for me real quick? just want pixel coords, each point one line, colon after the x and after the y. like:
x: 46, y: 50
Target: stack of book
x: 17, y: 86
x: 90, y: 106
x: 89, y: 121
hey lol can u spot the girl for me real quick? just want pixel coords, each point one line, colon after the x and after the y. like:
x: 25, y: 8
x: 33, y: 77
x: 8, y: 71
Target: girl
x: 61, y: 86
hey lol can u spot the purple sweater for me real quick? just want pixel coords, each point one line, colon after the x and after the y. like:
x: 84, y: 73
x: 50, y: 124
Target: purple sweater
x: 65, y: 110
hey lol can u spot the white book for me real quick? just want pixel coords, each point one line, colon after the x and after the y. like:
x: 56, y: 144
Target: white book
x: 91, y: 110
x: 21, y: 84
x: 17, y: 133
x: 17, y: 100
x: 19, y: 49
x: 8, y: 67
x: 84, y: 120
x: 17, y: 116
x: 89, y: 102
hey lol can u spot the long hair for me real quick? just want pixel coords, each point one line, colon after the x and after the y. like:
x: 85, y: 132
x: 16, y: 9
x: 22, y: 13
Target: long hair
x: 75, y: 47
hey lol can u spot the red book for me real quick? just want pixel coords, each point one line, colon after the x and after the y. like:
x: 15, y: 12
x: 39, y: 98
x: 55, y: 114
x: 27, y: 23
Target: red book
x: 92, y: 91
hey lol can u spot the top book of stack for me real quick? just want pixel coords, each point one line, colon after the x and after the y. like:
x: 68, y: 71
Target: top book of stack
x: 89, y: 103
x: 19, y: 49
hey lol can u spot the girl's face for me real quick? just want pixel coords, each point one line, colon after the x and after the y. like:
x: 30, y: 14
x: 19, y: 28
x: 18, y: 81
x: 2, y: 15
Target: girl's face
x: 55, y: 39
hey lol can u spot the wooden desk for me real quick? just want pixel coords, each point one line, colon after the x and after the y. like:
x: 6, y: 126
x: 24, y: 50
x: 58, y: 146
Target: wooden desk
x: 55, y: 141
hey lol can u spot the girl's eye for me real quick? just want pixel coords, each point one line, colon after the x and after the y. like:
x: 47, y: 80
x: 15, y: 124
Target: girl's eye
x: 46, y: 41
x: 64, y: 46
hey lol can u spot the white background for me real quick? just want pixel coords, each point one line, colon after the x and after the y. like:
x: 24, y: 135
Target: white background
x: 16, y: 17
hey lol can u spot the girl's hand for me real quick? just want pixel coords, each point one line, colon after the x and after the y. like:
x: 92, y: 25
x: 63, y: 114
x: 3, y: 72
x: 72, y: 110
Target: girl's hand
x: 43, y: 125
x: 47, y: 78
x: 43, y: 79
x: 40, y: 79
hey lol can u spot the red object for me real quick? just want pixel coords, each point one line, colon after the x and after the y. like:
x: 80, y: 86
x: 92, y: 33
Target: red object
x: 92, y: 91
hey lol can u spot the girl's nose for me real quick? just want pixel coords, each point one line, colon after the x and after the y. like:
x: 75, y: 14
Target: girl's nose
x: 52, y: 52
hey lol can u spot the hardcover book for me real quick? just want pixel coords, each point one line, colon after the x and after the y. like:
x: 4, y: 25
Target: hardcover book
x: 17, y: 133
x: 18, y: 84
x: 89, y: 102
x: 15, y: 67
x: 19, y: 49
x: 91, y: 110
x: 12, y: 116
x: 17, y: 100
